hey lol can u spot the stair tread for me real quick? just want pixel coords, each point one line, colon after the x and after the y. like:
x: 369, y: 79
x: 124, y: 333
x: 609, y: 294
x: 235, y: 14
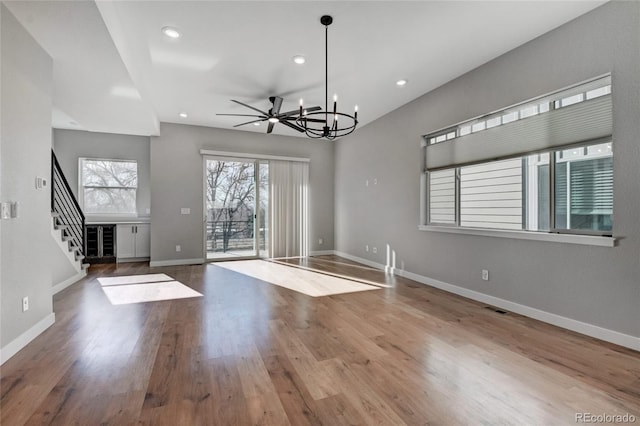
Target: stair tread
x: 55, y: 214
x: 85, y: 266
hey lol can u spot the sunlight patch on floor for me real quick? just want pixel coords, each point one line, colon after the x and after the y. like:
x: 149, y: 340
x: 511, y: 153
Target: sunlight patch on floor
x: 303, y: 281
x: 134, y: 279
x: 144, y: 288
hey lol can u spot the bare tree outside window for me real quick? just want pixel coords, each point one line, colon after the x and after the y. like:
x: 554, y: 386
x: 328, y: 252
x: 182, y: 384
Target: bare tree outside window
x: 231, y: 200
x: 109, y: 186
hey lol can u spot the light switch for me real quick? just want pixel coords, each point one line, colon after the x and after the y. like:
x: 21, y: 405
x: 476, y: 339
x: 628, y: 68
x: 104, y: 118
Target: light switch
x: 41, y: 183
x: 185, y: 210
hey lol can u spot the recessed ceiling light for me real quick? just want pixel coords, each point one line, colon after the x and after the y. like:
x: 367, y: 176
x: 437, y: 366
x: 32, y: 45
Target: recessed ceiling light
x: 256, y: 124
x: 299, y: 59
x: 401, y: 82
x: 183, y: 115
x: 171, y: 32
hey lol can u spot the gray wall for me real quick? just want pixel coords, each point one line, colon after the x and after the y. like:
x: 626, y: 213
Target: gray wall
x: 177, y: 181
x: 25, y: 153
x: 69, y: 145
x: 596, y: 285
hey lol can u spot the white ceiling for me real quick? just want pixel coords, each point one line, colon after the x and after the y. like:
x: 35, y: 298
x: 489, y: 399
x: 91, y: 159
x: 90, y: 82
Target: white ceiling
x: 114, y: 71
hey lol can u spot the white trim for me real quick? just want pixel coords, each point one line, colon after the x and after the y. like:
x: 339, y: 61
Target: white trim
x: 612, y: 336
x: 321, y: 253
x: 66, y: 283
x: 132, y: 259
x: 253, y: 156
x: 605, y: 334
x: 591, y: 240
x: 25, y: 338
x: 176, y: 262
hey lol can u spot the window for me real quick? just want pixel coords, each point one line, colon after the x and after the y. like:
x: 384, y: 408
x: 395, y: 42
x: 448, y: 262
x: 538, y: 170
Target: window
x: 442, y: 201
x: 584, y: 188
x: 515, y: 193
x: 491, y: 195
x: 543, y: 165
x: 108, y: 186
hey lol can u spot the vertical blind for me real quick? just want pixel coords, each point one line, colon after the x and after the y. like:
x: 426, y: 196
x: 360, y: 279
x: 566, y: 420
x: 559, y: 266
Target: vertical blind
x: 289, y: 208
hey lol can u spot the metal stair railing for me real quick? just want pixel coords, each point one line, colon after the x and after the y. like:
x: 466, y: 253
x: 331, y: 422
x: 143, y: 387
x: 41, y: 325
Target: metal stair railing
x: 64, y: 203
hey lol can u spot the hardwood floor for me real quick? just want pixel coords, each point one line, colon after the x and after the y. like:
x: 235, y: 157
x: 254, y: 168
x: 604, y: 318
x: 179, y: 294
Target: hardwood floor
x: 253, y: 353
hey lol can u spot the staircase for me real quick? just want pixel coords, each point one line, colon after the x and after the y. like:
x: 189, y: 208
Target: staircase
x: 67, y: 243
x: 67, y: 223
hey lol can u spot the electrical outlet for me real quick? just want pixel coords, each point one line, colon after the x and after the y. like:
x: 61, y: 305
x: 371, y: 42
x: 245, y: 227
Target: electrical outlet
x: 366, y: 248
x: 178, y: 248
x: 25, y: 304
x: 185, y: 210
x: 375, y: 250
x: 485, y: 275
x: 320, y: 241
x: 6, y: 210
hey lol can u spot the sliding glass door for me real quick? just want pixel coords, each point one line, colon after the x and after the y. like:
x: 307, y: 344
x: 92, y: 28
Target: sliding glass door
x: 235, y: 209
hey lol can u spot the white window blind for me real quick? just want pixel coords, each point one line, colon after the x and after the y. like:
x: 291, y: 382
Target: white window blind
x: 578, y: 114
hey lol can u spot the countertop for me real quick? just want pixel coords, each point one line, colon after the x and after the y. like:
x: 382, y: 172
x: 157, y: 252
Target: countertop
x: 116, y: 220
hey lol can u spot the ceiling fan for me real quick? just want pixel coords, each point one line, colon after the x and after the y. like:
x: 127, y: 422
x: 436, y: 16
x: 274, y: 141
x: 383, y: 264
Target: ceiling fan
x: 274, y: 115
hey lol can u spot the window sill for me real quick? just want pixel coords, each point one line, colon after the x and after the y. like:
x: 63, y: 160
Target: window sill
x: 590, y: 240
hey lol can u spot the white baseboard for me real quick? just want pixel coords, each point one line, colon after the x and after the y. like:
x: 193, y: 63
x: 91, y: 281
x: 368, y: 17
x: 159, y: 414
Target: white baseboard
x: 321, y: 253
x: 605, y: 334
x: 175, y: 262
x: 591, y: 330
x: 66, y: 283
x: 25, y: 338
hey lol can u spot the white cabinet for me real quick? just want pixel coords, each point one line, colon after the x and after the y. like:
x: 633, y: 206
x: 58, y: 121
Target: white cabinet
x: 133, y: 241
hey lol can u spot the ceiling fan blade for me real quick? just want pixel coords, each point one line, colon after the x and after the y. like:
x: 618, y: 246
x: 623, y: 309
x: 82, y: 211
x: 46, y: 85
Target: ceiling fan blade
x: 293, y: 126
x: 277, y: 104
x: 241, y: 115
x: 310, y: 120
x: 270, y: 128
x: 297, y: 111
x: 249, y: 106
x: 249, y: 122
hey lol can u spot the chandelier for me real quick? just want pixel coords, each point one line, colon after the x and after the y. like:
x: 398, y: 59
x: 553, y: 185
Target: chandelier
x: 327, y: 124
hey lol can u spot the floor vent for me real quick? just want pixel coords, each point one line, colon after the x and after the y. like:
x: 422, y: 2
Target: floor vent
x: 496, y: 310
